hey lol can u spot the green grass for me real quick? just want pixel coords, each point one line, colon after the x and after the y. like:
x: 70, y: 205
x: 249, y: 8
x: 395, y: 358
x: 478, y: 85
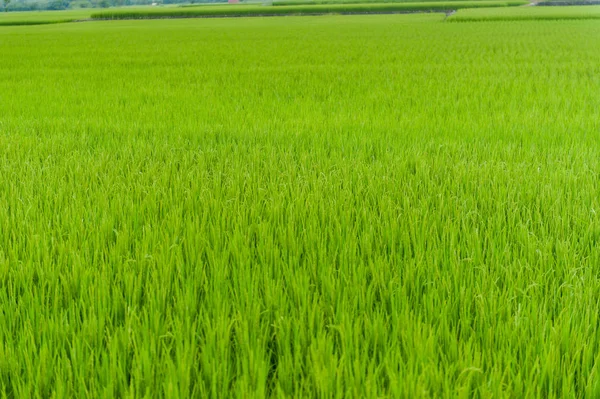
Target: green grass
x: 249, y: 10
x: 528, y: 13
x: 358, y: 206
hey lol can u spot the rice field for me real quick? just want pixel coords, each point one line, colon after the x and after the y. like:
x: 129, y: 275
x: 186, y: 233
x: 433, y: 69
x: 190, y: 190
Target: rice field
x: 42, y: 17
x: 293, y: 7
x: 301, y: 9
x: 527, y: 13
x: 335, y: 206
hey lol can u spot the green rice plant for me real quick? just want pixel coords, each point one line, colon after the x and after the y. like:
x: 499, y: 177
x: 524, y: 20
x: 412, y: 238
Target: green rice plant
x: 37, y: 22
x: 42, y: 17
x: 527, y: 13
x: 336, y: 206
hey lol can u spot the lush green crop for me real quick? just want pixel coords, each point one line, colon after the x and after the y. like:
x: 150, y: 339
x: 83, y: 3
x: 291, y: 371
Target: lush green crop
x: 528, y: 13
x: 358, y: 206
x: 42, y: 18
x: 246, y: 10
x: 292, y: 7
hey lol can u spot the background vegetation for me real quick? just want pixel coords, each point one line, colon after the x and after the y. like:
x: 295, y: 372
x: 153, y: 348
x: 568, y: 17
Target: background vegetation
x: 242, y: 10
x: 55, y: 5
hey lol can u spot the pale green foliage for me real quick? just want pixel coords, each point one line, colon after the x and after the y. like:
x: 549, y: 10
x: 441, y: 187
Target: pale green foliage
x: 370, y: 206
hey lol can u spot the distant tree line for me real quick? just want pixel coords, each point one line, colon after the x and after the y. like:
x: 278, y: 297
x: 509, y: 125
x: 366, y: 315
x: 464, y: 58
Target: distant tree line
x: 39, y: 5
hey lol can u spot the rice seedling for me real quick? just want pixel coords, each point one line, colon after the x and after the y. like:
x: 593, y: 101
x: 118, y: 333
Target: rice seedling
x: 334, y: 206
